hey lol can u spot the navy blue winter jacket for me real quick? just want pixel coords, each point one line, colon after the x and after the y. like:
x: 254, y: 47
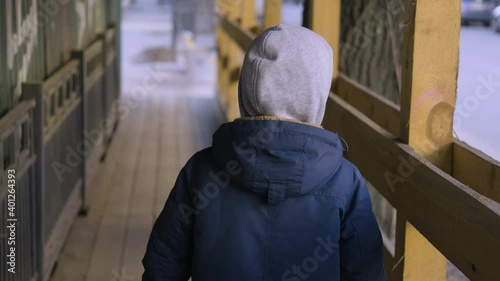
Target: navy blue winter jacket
x: 270, y: 200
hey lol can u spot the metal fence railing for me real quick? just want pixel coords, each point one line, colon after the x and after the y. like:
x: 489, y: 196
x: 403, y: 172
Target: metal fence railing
x: 17, y: 195
x: 92, y: 61
x: 60, y: 148
x: 59, y: 77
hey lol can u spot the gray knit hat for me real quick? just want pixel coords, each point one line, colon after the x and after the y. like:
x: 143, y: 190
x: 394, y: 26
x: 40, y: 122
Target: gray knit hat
x: 287, y: 72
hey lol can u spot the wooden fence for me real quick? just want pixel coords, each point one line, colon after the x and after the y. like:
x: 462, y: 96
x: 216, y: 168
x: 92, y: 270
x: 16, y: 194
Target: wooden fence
x: 446, y: 194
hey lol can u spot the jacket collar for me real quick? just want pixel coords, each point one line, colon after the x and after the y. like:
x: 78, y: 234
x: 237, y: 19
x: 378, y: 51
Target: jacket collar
x: 276, y: 118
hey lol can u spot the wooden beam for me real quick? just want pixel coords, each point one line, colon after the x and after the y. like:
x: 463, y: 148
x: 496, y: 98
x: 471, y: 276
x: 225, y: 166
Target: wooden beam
x: 325, y: 20
x: 477, y: 170
x: 248, y: 14
x: 272, y: 13
x: 407, y: 69
x: 388, y: 261
x: 234, y: 75
x: 226, y: 8
x: 363, y: 135
x: 461, y: 223
x: 234, y: 61
x: 429, y: 82
x: 380, y: 110
x: 243, y: 37
x: 238, y: 40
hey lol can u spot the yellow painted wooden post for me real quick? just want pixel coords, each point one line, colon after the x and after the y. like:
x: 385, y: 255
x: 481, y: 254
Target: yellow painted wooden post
x: 234, y: 62
x: 272, y: 13
x: 248, y: 14
x: 325, y: 20
x: 248, y: 22
x: 430, y: 67
x: 220, y: 54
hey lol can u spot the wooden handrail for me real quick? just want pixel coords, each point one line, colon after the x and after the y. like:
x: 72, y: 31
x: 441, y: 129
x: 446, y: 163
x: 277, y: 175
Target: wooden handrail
x: 477, y: 170
x: 463, y: 224
x: 383, y: 112
x: 241, y: 36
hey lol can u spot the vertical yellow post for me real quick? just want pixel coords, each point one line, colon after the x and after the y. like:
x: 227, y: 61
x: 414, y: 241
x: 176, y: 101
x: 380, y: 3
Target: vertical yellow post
x: 248, y: 22
x: 325, y: 20
x: 234, y: 62
x: 272, y: 13
x: 248, y: 14
x: 430, y: 67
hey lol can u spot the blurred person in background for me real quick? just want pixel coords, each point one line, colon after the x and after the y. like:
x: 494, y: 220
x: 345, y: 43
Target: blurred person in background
x: 184, y: 14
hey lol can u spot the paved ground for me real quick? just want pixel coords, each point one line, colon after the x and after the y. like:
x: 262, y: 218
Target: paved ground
x: 477, y: 119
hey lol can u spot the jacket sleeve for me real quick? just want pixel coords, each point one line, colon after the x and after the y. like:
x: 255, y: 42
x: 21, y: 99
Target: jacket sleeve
x: 360, y: 244
x: 169, y: 252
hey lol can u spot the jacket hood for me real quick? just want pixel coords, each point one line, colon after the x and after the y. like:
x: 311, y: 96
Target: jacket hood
x: 279, y: 158
x: 287, y: 72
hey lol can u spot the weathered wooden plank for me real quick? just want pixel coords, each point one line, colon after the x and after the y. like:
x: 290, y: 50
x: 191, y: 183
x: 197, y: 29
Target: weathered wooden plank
x: 234, y: 38
x: 477, y: 170
x: 272, y: 13
x: 380, y: 110
x: 429, y: 84
x: 346, y: 121
x: 248, y: 14
x: 243, y: 37
x: 461, y: 223
x: 235, y: 60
